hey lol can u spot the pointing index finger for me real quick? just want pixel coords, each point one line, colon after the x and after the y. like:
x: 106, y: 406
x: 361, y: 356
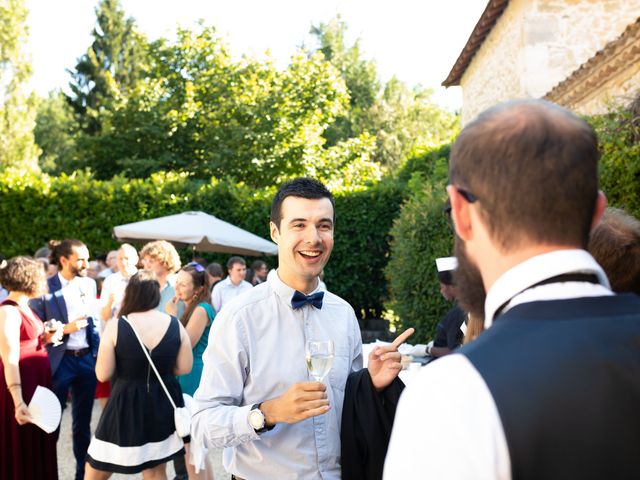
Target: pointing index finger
x: 400, y: 339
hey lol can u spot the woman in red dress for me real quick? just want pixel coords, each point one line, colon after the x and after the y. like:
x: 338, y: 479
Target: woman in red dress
x: 26, y: 451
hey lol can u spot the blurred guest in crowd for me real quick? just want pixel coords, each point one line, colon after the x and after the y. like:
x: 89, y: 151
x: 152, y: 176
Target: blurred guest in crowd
x: 192, y: 289
x: 28, y: 453
x: 250, y: 276
x: 114, y: 285
x: 72, y: 300
x: 451, y: 329
x: 162, y: 258
x: 136, y: 432
x: 214, y: 270
x: 557, y: 365
x: 233, y: 285
x: 43, y: 253
x: 261, y: 271
x: 102, y: 261
x: 111, y: 298
x: 615, y: 244
x: 111, y: 261
x: 94, y: 269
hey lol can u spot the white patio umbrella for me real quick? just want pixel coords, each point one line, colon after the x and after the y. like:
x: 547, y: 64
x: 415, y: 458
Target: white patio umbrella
x: 198, y: 230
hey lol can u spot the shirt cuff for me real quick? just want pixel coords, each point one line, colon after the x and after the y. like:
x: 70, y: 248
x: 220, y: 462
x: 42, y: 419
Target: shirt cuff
x: 241, y: 425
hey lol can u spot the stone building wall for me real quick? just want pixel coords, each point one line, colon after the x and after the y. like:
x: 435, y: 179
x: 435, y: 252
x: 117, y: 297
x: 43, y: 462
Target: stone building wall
x: 494, y: 73
x: 536, y: 44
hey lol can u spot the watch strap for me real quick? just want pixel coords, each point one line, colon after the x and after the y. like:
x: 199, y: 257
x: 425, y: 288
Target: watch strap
x: 265, y: 427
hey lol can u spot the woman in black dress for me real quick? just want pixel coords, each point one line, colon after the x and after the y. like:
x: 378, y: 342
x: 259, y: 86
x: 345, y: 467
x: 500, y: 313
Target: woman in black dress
x: 136, y: 432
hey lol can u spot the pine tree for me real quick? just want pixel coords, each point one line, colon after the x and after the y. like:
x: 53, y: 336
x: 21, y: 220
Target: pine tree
x: 17, y: 108
x: 109, y: 70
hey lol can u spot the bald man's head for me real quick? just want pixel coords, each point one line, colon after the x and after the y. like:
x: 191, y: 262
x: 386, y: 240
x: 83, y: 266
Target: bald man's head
x: 127, y: 259
x: 532, y: 167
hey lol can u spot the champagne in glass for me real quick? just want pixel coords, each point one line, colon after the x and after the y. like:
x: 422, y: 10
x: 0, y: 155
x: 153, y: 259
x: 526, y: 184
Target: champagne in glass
x: 54, y: 326
x: 319, y: 356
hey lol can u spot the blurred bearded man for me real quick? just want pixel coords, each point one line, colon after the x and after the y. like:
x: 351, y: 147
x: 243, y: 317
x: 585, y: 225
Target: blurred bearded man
x: 72, y: 301
x: 551, y: 388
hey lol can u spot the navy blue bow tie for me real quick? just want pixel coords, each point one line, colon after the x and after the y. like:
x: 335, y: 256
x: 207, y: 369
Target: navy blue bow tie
x: 299, y: 299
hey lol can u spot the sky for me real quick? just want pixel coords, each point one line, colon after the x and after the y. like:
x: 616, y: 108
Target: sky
x: 418, y: 41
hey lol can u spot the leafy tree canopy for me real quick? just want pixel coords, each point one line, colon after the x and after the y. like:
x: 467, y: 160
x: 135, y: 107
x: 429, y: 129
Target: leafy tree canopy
x: 403, y: 121
x: 200, y: 112
x: 109, y: 69
x: 17, y: 108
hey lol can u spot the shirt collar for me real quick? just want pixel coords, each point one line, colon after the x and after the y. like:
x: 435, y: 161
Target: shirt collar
x: 535, y: 270
x: 63, y: 281
x: 284, y: 291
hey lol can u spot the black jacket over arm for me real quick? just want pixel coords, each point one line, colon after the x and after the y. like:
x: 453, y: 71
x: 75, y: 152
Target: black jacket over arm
x: 367, y: 418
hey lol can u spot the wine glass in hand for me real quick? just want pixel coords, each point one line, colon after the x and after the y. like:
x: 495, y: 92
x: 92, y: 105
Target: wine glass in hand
x: 319, y: 356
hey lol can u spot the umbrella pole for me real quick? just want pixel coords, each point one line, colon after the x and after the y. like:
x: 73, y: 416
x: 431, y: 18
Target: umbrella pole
x: 193, y: 253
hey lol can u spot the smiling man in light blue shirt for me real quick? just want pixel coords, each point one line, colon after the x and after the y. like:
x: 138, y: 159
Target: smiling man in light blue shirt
x: 257, y: 398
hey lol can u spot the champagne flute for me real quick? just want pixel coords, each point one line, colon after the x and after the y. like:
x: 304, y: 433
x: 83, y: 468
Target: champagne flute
x: 319, y: 356
x: 54, y: 326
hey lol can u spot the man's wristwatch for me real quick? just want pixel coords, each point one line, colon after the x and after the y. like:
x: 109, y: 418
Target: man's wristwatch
x: 256, y: 419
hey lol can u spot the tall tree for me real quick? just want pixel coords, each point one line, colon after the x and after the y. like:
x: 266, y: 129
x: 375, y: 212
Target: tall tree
x: 359, y: 75
x: 199, y: 111
x: 401, y: 120
x: 17, y: 108
x: 110, y: 68
x: 56, y: 133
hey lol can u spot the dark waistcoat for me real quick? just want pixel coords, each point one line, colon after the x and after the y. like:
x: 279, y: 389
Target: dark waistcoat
x: 565, y: 377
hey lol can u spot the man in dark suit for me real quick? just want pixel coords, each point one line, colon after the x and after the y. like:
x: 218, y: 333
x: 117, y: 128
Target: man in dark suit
x: 72, y: 301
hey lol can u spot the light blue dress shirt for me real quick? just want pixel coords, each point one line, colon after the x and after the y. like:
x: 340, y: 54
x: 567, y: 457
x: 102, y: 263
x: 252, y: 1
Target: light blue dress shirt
x: 256, y: 352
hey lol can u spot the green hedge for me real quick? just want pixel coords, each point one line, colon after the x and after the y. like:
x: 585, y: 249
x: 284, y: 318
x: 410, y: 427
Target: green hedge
x: 36, y: 209
x: 619, y: 139
x: 420, y: 234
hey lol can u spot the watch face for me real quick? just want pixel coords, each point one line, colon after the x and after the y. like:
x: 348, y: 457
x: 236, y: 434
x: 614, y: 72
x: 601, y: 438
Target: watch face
x: 256, y: 419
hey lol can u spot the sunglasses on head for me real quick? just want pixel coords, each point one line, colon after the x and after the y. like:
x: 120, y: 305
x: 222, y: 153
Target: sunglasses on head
x: 468, y: 196
x: 199, y: 268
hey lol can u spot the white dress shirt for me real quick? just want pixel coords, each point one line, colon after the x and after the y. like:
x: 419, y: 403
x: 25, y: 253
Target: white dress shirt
x: 79, y: 295
x: 256, y: 352
x: 224, y: 290
x: 447, y: 424
x: 115, y: 283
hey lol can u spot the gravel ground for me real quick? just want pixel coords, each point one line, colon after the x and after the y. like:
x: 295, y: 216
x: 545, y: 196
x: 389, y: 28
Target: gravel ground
x: 67, y: 463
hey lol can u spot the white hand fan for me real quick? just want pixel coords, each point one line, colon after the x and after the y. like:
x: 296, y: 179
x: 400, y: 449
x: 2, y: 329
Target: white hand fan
x: 45, y: 409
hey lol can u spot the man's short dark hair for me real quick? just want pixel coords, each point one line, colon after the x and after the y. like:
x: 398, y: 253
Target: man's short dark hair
x: 258, y: 264
x: 301, y: 187
x: 233, y: 260
x: 615, y: 244
x: 533, y: 168
x: 214, y: 269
